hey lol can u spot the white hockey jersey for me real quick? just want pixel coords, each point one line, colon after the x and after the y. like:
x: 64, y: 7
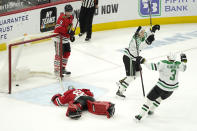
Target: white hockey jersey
x: 131, y: 51
x: 168, y: 73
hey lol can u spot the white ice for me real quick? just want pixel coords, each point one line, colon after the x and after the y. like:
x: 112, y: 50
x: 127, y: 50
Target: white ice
x: 98, y: 65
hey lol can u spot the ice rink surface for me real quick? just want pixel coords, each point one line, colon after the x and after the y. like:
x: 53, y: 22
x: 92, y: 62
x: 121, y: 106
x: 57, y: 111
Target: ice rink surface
x: 98, y: 65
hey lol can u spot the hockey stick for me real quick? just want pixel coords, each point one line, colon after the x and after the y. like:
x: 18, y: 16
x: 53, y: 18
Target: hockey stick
x: 61, y: 75
x: 73, y: 31
x: 61, y: 84
x: 137, y: 48
x: 150, y: 14
x: 77, y: 17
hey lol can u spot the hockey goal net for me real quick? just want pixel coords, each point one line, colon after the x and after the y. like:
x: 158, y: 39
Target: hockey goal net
x: 26, y: 57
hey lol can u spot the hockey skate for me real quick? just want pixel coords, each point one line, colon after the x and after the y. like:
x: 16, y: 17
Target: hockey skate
x: 138, y: 118
x: 65, y: 72
x: 80, y: 34
x: 119, y: 92
x: 87, y: 39
x: 150, y: 113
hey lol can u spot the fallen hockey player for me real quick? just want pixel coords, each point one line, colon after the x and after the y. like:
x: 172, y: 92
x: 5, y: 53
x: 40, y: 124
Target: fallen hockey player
x: 79, y: 100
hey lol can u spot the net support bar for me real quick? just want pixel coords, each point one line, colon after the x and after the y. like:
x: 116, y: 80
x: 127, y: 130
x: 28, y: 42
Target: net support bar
x: 10, y: 57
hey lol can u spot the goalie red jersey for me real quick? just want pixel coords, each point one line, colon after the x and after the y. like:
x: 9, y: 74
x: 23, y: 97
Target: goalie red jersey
x: 72, y: 95
x: 82, y: 99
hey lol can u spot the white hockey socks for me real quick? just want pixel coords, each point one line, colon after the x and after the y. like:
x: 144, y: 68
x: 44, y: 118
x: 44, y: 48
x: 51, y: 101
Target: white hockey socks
x: 145, y: 108
x: 154, y: 105
x: 124, y: 83
x: 149, y: 107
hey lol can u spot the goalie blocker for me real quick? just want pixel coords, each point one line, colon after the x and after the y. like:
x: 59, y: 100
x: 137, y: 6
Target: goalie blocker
x: 101, y: 108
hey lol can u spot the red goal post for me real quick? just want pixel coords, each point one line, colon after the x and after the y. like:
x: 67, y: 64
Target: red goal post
x: 25, y: 42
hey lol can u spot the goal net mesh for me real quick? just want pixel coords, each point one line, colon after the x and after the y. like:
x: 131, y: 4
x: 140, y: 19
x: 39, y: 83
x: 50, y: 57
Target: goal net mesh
x: 31, y: 62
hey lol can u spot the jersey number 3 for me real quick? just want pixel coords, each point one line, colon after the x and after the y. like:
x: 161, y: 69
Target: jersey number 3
x: 173, y: 74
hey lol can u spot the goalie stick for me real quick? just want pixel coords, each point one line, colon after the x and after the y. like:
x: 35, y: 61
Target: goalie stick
x: 60, y: 82
x: 61, y: 75
x: 137, y: 48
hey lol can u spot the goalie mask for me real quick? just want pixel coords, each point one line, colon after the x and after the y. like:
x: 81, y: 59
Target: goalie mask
x: 171, y: 56
x: 70, y: 87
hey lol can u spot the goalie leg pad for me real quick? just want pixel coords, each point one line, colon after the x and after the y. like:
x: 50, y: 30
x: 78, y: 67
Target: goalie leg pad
x: 82, y: 100
x: 73, y: 111
x: 101, y: 108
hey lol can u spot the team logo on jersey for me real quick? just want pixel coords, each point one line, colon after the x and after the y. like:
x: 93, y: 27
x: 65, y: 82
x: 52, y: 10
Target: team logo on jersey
x: 153, y: 5
x: 48, y: 19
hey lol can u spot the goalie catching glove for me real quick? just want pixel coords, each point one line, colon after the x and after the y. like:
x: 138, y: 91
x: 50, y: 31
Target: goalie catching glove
x: 183, y: 58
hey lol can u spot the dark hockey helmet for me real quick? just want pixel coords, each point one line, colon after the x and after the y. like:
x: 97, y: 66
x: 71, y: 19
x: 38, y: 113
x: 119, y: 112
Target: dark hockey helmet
x: 68, y: 8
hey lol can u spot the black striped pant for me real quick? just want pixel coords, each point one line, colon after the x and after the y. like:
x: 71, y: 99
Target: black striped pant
x: 131, y: 66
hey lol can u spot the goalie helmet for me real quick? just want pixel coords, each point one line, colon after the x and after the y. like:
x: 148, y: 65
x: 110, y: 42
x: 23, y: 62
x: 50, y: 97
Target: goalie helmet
x: 171, y: 56
x: 68, y: 8
x: 70, y: 87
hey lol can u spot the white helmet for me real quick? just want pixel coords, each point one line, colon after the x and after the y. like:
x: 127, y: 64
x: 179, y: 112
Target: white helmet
x: 171, y: 56
x: 70, y: 87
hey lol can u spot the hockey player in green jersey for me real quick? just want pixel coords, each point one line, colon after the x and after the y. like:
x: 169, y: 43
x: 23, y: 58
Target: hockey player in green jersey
x: 167, y: 83
x: 131, y: 59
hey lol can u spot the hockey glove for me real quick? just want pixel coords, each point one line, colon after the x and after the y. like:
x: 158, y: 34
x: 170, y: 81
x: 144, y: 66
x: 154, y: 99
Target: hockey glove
x: 150, y: 39
x: 72, y: 38
x: 54, y: 97
x: 71, y: 33
x: 183, y: 58
x: 155, y: 27
x: 140, y: 60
